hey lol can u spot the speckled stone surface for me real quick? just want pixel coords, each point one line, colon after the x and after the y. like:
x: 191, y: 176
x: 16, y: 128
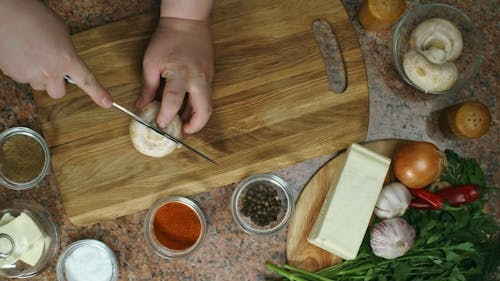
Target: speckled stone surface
x: 396, y: 111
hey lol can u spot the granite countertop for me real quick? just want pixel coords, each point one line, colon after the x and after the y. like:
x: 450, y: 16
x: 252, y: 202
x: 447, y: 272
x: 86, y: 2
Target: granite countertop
x: 396, y: 111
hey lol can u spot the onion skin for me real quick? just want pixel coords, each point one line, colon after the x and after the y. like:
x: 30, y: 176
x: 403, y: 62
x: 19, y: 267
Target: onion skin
x: 418, y: 163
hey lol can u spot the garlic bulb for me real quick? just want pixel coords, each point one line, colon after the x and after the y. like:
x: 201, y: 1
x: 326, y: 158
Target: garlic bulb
x: 392, y: 238
x: 393, y: 201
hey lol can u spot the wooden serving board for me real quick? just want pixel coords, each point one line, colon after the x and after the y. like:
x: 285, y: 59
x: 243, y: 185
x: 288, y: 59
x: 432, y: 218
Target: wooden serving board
x: 272, y: 108
x: 299, y: 251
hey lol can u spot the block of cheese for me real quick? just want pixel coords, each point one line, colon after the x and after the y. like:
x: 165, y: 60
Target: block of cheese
x: 349, y: 203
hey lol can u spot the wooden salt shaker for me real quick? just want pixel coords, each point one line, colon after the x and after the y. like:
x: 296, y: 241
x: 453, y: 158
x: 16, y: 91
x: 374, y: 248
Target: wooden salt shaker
x: 376, y: 15
x: 468, y: 120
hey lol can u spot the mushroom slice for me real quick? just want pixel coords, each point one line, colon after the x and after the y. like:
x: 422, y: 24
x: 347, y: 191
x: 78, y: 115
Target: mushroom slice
x: 429, y: 76
x: 147, y: 141
x: 438, y: 40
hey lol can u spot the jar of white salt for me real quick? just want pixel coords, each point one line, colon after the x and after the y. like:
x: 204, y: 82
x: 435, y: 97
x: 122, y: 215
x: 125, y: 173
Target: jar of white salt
x: 87, y: 260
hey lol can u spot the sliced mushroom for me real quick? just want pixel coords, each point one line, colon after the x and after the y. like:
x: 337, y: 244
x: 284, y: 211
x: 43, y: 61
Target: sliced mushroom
x: 147, y: 141
x: 438, y: 40
x: 427, y: 75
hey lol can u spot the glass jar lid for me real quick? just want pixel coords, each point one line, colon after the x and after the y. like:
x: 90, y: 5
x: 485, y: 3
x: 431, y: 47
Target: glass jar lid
x: 28, y: 239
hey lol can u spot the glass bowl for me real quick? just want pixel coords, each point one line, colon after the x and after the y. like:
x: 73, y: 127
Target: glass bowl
x: 85, y: 259
x: 21, y: 254
x: 16, y: 150
x: 170, y: 229
x: 469, y: 61
x: 249, y: 201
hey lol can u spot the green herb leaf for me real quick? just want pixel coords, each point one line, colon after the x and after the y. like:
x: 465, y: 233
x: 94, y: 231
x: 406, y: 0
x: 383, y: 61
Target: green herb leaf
x: 402, y: 272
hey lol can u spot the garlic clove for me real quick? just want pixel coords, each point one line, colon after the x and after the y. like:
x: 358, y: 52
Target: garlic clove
x: 392, y: 238
x: 393, y: 201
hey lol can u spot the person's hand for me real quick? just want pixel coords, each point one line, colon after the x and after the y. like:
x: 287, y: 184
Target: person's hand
x: 35, y: 48
x: 180, y: 51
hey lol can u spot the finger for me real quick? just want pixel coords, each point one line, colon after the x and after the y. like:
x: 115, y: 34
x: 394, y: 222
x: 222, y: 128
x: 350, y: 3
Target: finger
x: 173, y: 95
x: 201, y: 101
x: 56, y: 88
x: 85, y: 80
x: 38, y: 85
x: 150, y: 83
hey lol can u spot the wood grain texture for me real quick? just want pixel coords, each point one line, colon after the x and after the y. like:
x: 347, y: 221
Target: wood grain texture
x: 299, y: 251
x: 272, y: 108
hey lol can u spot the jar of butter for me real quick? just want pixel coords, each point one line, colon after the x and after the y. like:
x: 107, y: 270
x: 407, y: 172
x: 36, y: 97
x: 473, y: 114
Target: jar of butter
x: 29, y: 239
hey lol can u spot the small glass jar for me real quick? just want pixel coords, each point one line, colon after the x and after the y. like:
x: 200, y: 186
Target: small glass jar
x: 13, y: 144
x: 25, y: 260
x: 87, y: 259
x: 153, y: 241
x: 282, y: 193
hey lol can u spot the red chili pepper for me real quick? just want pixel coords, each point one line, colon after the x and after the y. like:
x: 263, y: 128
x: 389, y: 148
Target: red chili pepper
x: 434, y: 200
x: 455, y: 196
x: 418, y: 203
x: 460, y: 194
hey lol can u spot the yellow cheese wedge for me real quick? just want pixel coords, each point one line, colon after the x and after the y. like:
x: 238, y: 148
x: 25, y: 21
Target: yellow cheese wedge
x: 24, y: 232
x: 345, y: 214
x: 6, y: 218
x: 33, y: 255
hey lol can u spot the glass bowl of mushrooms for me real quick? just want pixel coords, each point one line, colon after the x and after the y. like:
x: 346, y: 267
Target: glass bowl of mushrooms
x: 436, y: 48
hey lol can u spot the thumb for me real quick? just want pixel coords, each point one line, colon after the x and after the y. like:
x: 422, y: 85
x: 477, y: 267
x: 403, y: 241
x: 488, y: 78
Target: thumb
x: 86, y: 81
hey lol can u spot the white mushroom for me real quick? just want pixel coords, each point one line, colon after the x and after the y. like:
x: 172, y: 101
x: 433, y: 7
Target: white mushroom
x: 147, y: 141
x: 438, y: 40
x: 427, y: 75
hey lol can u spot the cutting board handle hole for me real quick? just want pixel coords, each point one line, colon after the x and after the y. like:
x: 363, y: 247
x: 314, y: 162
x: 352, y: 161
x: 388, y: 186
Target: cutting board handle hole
x: 332, y: 55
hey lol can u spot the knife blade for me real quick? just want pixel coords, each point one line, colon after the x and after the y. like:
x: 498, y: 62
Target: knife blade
x: 156, y: 130
x: 147, y: 124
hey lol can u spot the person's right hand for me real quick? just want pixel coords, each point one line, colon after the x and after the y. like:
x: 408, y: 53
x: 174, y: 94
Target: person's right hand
x: 35, y: 48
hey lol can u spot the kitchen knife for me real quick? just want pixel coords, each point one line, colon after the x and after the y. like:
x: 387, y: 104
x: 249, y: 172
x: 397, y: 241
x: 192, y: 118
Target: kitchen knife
x: 147, y: 124
x: 157, y: 130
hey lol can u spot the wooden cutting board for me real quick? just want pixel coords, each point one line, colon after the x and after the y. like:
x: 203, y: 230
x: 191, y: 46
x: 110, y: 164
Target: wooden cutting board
x: 272, y: 108
x: 299, y: 252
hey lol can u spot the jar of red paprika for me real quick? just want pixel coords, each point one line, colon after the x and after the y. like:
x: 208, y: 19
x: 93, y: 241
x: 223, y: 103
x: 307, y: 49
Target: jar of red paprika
x: 175, y: 227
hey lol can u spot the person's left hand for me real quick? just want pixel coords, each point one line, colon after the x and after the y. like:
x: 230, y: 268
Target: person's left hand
x: 181, y: 52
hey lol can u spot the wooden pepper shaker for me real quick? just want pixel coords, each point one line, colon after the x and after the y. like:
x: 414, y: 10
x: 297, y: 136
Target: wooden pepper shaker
x: 470, y: 119
x: 376, y: 15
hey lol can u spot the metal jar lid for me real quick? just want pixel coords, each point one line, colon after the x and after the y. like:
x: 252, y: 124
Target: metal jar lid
x: 97, y: 254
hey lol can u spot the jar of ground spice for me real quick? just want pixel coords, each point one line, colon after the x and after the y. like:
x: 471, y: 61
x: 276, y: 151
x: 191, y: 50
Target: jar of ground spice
x: 175, y: 227
x: 24, y: 158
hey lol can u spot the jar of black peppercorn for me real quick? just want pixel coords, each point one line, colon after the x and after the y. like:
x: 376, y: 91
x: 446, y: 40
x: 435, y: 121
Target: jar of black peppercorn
x: 262, y: 204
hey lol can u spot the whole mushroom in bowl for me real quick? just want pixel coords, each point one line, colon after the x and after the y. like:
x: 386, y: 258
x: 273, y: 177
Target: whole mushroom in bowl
x: 436, y: 48
x: 435, y: 44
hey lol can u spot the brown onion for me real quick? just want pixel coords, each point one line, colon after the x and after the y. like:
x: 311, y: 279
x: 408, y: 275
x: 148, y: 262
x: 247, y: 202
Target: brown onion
x: 418, y: 163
